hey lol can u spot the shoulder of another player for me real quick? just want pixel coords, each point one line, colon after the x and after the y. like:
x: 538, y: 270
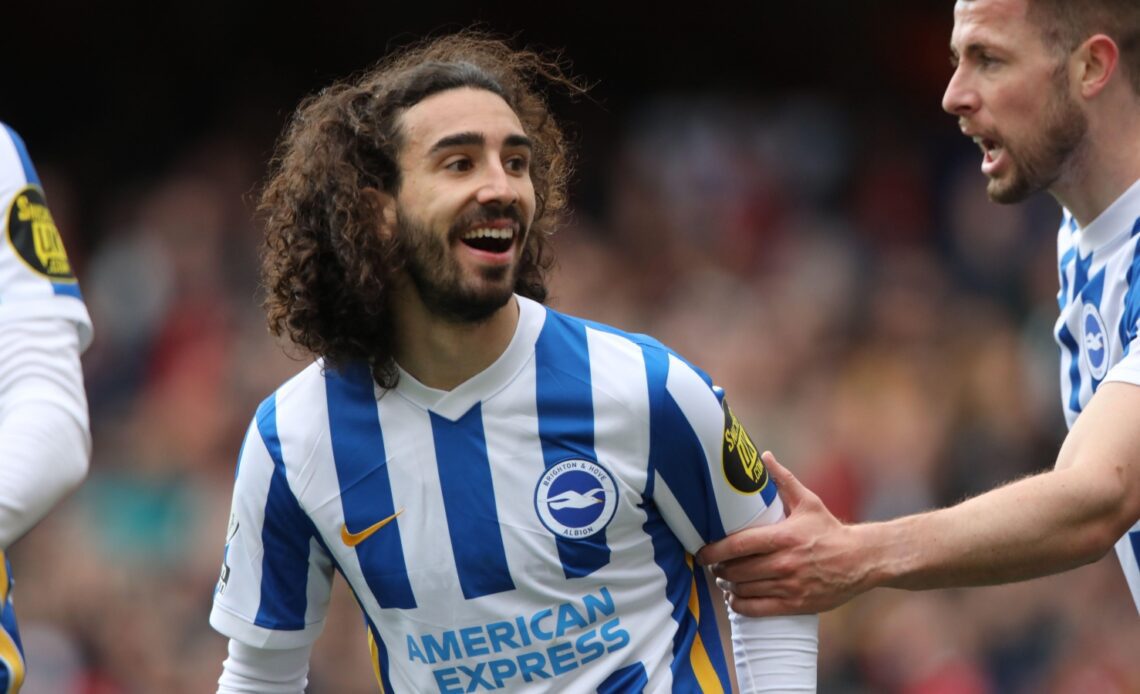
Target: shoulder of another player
x: 16, y: 168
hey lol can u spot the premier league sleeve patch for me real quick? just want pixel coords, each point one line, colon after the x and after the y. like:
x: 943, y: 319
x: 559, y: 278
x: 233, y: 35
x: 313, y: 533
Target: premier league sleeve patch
x: 742, y: 466
x: 32, y: 233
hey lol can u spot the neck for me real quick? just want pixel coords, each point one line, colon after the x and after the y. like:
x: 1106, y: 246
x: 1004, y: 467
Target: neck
x: 1107, y: 164
x: 443, y: 354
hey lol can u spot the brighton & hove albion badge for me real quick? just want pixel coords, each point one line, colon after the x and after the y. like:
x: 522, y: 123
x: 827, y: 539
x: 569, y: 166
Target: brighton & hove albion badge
x: 576, y: 499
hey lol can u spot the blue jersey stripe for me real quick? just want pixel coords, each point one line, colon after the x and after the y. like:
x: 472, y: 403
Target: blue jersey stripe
x: 670, y: 556
x: 626, y: 680
x: 21, y: 150
x: 1130, y: 318
x: 710, y: 631
x: 285, y: 537
x: 382, y: 655
x: 469, y: 502
x: 365, y: 488
x: 566, y: 422
x: 1065, y: 337
x: 67, y: 289
x: 676, y: 453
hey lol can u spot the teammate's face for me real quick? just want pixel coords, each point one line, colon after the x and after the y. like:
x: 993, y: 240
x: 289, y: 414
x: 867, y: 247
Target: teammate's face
x: 466, y: 201
x: 1012, y: 96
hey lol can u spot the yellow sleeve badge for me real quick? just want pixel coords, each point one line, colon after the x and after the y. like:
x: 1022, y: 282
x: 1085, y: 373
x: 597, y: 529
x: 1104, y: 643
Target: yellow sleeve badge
x: 34, y: 236
x: 742, y: 465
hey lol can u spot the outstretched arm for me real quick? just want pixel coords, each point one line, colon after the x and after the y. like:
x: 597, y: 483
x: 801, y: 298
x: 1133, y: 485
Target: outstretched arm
x: 1035, y: 526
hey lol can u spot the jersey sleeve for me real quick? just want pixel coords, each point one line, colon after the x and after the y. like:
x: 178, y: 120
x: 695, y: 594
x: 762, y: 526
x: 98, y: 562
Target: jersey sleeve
x: 276, y: 577
x: 707, y: 479
x: 36, y: 278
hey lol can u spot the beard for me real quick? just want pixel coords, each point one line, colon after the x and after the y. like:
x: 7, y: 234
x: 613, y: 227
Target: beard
x: 1039, y: 163
x: 438, y: 277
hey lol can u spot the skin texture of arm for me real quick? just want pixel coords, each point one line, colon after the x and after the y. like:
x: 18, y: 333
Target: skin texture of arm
x: 1035, y: 526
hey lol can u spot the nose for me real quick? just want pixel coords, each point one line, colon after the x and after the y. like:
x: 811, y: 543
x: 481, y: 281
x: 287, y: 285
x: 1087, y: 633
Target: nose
x: 960, y: 98
x: 497, y: 186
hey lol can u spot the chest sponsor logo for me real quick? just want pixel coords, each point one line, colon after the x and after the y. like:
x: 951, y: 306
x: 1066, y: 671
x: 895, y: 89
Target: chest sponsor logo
x: 34, y: 236
x: 523, y: 649
x: 576, y: 499
x: 1094, y: 342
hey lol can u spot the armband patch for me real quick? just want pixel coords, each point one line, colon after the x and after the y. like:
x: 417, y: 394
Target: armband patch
x: 35, y: 238
x: 742, y: 465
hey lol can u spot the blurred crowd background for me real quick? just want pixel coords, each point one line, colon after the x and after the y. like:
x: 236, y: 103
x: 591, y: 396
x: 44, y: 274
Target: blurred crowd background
x: 773, y: 191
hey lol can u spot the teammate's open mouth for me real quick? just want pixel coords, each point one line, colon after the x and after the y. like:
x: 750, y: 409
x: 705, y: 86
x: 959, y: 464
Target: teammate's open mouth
x: 990, y: 148
x: 489, y: 239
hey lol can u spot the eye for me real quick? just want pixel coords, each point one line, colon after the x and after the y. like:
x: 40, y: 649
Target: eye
x: 986, y: 60
x: 458, y: 164
x: 518, y: 163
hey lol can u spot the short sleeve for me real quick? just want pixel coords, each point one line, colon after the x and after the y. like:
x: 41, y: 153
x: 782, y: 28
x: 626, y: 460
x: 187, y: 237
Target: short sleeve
x: 36, y: 278
x: 276, y: 576
x: 708, y: 479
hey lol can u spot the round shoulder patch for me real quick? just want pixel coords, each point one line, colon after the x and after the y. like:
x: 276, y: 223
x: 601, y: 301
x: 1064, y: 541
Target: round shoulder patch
x: 742, y: 465
x: 575, y: 499
x: 34, y: 236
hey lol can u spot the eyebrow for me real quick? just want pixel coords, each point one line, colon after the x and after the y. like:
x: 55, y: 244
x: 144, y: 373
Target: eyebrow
x: 472, y: 138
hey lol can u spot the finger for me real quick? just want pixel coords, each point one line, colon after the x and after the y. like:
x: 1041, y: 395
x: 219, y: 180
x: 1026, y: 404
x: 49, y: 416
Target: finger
x: 791, y: 490
x: 755, y: 589
x: 747, y: 542
x: 752, y: 568
x: 761, y: 607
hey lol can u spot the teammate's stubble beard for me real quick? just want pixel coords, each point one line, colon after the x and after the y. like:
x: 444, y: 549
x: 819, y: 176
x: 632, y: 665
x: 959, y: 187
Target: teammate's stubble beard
x: 432, y: 267
x: 1039, y: 163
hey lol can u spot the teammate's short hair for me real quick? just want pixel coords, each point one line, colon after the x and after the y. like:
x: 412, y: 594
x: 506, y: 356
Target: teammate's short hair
x: 1067, y: 23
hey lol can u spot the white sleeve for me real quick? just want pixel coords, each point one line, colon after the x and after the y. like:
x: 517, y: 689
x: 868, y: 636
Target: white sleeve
x: 252, y: 670
x: 45, y: 444
x: 775, y: 654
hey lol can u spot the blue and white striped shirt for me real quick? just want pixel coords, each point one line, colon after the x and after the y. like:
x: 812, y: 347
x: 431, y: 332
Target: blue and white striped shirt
x: 530, y: 530
x: 36, y: 280
x: 1099, y: 321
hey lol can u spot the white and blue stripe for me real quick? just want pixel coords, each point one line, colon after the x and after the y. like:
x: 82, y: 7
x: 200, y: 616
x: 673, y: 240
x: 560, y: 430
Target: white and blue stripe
x: 1100, y: 319
x: 25, y: 293
x: 467, y: 588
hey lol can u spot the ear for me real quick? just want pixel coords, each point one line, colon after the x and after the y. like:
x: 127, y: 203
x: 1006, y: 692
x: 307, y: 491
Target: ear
x: 385, y: 205
x: 1095, y: 64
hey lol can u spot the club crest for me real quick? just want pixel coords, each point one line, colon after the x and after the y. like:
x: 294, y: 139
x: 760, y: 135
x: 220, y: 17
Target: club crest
x: 576, y: 499
x: 1094, y: 342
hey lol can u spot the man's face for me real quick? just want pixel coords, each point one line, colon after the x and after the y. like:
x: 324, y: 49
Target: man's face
x: 1011, y: 94
x: 466, y: 201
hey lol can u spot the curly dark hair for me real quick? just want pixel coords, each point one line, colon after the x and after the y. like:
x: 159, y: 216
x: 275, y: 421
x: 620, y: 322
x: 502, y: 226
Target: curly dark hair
x: 325, y: 268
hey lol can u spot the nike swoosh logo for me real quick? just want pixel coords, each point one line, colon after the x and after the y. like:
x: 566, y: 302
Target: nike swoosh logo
x: 354, y: 539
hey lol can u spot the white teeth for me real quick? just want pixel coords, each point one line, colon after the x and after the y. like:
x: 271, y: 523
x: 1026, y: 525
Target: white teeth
x: 985, y: 144
x: 489, y: 234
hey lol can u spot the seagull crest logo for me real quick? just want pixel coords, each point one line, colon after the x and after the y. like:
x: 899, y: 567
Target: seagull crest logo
x: 1094, y: 342
x: 576, y: 499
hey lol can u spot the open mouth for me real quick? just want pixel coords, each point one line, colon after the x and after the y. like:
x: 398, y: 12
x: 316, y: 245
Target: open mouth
x: 490, y: 240
x: 991, y: 149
